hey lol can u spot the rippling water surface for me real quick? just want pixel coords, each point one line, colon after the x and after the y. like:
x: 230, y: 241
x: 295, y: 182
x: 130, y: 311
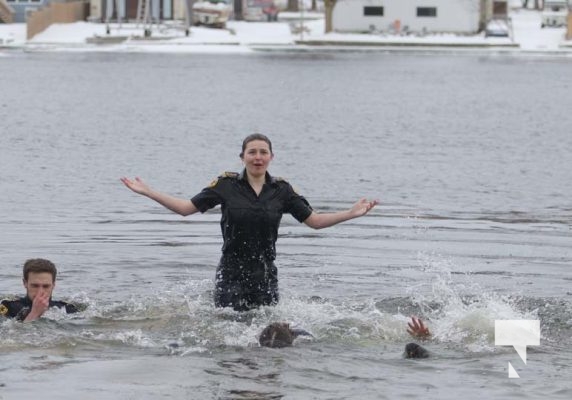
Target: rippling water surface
x: 468, y: 154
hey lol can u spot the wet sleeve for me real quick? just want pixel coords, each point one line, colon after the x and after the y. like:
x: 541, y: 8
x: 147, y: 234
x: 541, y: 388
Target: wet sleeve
x: 297, y: 205
x: 71, y: 308
x: 206, y: 199
x: 22, y: 314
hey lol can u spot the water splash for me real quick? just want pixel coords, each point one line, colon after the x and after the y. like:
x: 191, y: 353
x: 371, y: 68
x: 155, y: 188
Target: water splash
x: 461, y: 312
x: 181, y: 319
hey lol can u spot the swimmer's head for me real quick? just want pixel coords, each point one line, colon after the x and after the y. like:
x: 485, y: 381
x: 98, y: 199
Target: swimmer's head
x: 277, y: 334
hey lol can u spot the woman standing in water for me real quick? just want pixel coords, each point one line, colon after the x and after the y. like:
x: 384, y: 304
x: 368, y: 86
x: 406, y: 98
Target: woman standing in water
x: 252, y: 203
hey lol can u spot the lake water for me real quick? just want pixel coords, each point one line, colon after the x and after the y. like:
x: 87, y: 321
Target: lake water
x: 469, y: 154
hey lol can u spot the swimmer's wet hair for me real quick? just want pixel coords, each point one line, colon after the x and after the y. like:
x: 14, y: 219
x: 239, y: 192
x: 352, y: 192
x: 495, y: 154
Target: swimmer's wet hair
x: 39, y: 265
x: 277, y: 335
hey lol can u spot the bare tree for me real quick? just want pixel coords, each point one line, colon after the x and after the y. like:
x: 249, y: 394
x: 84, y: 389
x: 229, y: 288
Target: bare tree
x: 329, y: 10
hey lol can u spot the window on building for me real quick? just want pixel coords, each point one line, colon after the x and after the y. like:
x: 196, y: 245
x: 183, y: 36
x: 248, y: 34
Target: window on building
x: 426, y: 11
x: 373, y: 11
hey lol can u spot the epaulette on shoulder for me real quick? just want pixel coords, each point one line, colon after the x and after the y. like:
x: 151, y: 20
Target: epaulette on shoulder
x: 279, y: 179
x: 224, y: 175
x: 9, y: 298
x: 228, y: 174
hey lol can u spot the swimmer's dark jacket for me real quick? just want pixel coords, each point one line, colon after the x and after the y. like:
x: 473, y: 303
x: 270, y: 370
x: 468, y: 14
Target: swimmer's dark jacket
x: 20, y: 308
x: 413, y: 350
x: 279, y: 334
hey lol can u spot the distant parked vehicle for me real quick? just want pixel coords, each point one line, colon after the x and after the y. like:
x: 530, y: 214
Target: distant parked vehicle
x: 497, y: 28
x: 554, y: 13
x: 261, y: 10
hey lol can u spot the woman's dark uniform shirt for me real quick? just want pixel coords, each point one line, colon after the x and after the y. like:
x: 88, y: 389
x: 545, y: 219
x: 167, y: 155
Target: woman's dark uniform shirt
x: 246, y: 275
x: 20, y: 308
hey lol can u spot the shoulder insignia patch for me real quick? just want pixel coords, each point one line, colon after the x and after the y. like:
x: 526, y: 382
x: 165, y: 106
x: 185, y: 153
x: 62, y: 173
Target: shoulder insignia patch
x: 280, y: 179
x: 3, y: 310
x: 225, y: 174
x: 213, y: 183
x: 228, y: 174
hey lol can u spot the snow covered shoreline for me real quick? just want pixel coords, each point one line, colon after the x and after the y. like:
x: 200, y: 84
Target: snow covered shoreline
x: 244, y: 37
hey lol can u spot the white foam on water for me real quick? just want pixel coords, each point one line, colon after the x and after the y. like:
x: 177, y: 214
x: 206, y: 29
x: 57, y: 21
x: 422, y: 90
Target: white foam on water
x: 134, y: 337
x: 456, y: 310
x: 465, y: 312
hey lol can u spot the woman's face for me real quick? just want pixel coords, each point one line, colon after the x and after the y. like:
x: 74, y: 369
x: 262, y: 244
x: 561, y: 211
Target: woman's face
x: 257, y: 157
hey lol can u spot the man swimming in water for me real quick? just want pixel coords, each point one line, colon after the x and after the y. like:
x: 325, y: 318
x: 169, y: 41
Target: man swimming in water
x: 39, y: 280
x: 417, y: 329
x: 279, y: 334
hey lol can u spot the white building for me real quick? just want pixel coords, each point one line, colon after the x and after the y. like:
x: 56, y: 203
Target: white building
x: 100, y: 10
x: 457, y: 16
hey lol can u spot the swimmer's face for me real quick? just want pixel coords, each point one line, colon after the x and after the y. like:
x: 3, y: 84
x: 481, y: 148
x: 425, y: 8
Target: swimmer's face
x: 39, y: 282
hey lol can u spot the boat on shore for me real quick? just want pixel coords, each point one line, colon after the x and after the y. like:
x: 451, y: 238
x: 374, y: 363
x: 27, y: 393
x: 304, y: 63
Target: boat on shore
x: 212, y: 13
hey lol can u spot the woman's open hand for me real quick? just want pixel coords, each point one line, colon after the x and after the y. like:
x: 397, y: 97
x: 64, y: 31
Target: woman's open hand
x: 137, y: 185
x: 362, y: 207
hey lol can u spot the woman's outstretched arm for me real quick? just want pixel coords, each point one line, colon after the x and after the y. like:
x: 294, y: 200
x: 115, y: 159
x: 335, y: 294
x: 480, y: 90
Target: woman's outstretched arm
x: 319, y: 221
x: 180, y: 206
